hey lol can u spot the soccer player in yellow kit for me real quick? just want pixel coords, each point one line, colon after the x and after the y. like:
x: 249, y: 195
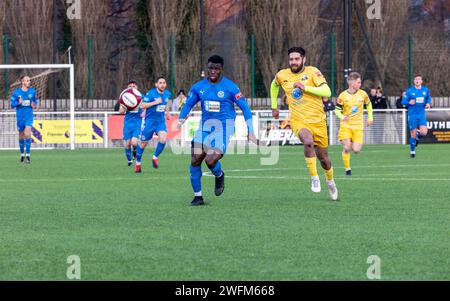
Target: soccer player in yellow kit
x: 350, y: 109
x: 304, y: 87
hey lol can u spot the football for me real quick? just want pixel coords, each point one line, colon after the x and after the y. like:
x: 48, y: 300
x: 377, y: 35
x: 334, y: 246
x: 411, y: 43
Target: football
x: 130, y: 98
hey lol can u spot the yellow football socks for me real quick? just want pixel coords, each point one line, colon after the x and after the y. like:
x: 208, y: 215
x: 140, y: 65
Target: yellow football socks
x: 311, y: 163
x: 346, y: 160
x: 329, y: 174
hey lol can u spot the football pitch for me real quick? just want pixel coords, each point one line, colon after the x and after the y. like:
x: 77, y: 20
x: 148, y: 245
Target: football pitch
x: 267, y: 225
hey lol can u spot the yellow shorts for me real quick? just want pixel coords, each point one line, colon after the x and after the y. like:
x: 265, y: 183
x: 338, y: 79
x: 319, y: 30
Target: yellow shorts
x: 318, y: 130
x: 353, y: 135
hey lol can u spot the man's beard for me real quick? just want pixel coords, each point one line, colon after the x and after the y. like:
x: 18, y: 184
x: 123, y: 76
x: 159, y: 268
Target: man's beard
x: 298, y: 69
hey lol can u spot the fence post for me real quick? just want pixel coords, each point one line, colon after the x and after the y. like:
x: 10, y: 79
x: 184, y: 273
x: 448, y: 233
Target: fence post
x: 410, y: 66
x: 105, y: 131
x: 171, y: 66
x: 252, y: 66
x: 89, y: 66
x: 5, y: 60
x: 332, y: 66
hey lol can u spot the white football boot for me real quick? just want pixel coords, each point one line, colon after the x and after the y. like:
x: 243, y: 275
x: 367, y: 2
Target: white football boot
x: 332, y: 189
x: 315, y: 184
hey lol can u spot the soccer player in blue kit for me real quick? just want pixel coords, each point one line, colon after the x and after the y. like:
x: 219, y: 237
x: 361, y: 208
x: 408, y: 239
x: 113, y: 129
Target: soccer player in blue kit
x: 155, y: 105
x: 416, y: 100
x: 131, y: 127
x: 24, y: 101
x: 217, y: 95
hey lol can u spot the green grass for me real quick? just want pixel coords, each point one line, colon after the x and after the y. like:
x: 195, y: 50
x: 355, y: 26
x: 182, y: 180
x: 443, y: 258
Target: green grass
x: 267, y: 225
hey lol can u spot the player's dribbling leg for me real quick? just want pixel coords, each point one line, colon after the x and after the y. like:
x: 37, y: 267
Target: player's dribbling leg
x: 139, y: 152
x: 195, y: 170
x: 346, y: 144
x: 128, y: 151
x: 322, y: 154
x: 159, y: 148
x: 22, y: 146
x: 27, y: 134
x: 310, y: 158
x: 214, y: 165
x: 412, y: 143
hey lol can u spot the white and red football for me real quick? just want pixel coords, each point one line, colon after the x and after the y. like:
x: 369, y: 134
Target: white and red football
x: 130, y: 98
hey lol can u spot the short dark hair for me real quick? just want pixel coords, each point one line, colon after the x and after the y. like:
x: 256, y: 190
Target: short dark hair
x: 353, y: 76
x: 298, y: 50
x: 216, y: 59
x: 159, y: 77
x: 22, y: 77
x: 418, y: 75
x: 132, y: 81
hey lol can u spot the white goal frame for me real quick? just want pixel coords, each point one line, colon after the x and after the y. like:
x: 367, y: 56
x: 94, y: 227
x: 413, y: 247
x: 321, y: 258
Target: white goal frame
x: 72, y: 88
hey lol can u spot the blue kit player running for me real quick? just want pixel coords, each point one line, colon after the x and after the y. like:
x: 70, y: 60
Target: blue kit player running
x: 24, y: 101
x: 417, y: 99
x: 155, y: 105
x: 217, y: 95
x: 131, y: 127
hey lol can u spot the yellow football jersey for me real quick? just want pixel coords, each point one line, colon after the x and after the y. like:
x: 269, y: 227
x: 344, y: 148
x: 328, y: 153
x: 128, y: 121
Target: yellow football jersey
x: 353, y: 107
x: 303, y: 106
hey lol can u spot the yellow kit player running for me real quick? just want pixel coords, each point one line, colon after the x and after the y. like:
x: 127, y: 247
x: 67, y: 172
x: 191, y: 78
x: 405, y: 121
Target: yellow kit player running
x: 349, y: 108
x: 304, y: 87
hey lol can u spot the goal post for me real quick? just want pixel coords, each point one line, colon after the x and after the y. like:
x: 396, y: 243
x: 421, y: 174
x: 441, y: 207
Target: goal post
x: 71, y: 69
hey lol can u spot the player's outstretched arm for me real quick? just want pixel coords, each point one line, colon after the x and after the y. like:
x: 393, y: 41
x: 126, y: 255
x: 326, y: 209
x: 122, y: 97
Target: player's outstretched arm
x: 405, y: 99
x: 146, y: 105
x: 369, y: 113
x: 15, y: 101
x: 274, y: 90
x: 428, y: 100
x: 338, y: 111
x: 34, y: 102
x: 323, y: 90
x: 243, y: 105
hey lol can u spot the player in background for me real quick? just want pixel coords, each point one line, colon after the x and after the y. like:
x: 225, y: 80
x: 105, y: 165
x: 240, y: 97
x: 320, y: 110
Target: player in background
x: 155, y: 105
x: 131, y: 127
x: 217, y: 95
x: 305, y: 86
x: 416, y: 100
x: 350, y: 110
x: 24, y: 101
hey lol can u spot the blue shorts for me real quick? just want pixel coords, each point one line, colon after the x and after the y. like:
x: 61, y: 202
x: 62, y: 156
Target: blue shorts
x: 212, y: 140
x: 415, y: 121
x: 24, y: 122
x: 153, y: 128
x: 131, y: 129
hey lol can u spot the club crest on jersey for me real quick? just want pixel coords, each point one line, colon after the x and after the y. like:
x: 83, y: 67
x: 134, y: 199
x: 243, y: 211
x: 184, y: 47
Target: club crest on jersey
x: 297, y: 93
x: 424, y: 93
x: 305, y: 77
x: 220, y: 94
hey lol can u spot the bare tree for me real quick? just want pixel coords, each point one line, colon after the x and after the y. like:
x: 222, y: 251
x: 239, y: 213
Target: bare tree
x: 172, y: 18
x: 431, y: 59
x: 29, y: 23
x: 2, y: 22
x: 266, y: 21
x: 384, y: 34
x: 279, y: 25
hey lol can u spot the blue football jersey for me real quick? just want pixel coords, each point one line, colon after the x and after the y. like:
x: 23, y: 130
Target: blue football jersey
x: 24, y: 109
x: 217, y: 101
x: 156, y: 113
x: 421, y: 97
